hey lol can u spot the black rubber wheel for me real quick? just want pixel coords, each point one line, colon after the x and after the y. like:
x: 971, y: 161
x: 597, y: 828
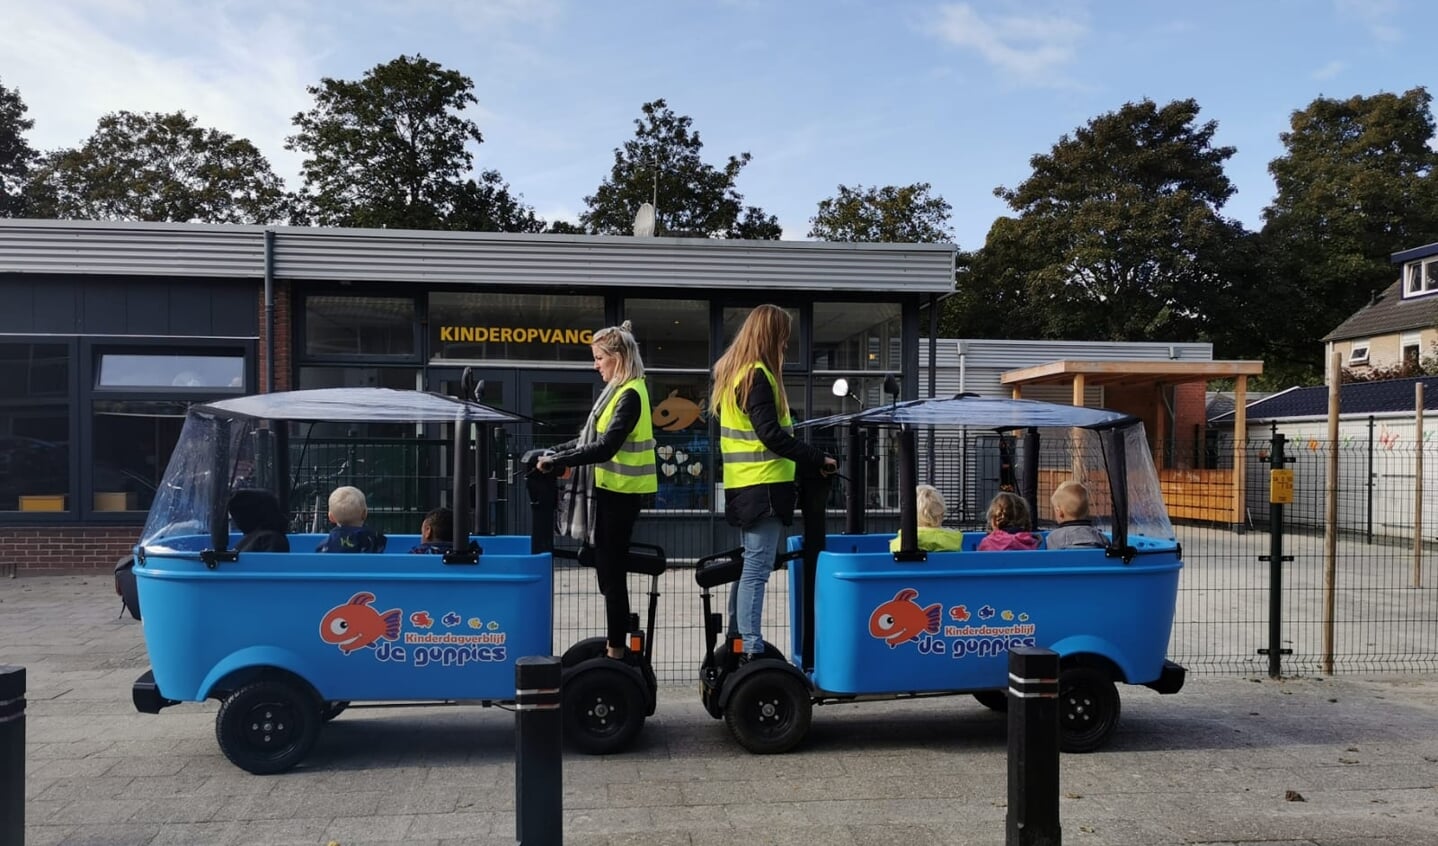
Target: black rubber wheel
x: 769, y: 712
x: 331, y: 709
x: 267, y: 726
x: 994, y: 700
x: 603, y: 709
x: 1088, y: 708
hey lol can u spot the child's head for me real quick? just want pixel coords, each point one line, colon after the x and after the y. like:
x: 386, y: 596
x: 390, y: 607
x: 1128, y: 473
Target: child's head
x: 1070, y: 501
x: 930, y: 505
x: 347, y: 506
x: 438, y: 525
x: 1009, y: 512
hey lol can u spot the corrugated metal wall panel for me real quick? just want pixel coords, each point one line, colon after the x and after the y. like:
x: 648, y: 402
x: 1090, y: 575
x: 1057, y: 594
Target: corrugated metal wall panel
x: 89, y: 247
x: 981, y: 367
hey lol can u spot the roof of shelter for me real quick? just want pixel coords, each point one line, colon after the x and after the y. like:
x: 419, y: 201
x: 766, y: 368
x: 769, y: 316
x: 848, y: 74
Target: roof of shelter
x: 1387, y: 313
x: 1389, y: 397
x: 1130, y: 372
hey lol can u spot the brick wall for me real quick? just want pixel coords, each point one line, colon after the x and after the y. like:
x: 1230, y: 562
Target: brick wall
x: 283, y: 335
x: 1189, y: 410
x: 37, y: 550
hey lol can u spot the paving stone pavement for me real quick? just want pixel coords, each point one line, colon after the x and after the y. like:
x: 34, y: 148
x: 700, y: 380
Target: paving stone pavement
x: 1223, y: 762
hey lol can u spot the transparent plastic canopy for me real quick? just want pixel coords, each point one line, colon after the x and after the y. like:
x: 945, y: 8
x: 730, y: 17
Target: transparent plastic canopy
x: 357, y: 405
x: 984, y: 412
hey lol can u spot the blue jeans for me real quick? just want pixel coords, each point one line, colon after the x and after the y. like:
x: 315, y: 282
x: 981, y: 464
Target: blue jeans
x: 746, y: 598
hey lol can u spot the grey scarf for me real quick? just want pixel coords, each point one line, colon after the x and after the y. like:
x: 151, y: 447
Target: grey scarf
x: 575, y: 516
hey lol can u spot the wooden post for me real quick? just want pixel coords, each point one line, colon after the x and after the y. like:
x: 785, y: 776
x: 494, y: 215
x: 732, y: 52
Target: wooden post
x: 1240, y: 444
x: 1017, y: 392
x: 1330, y: 515
x: 1160, y: 428
x: 1076, y: 459
x: 1418, y: 485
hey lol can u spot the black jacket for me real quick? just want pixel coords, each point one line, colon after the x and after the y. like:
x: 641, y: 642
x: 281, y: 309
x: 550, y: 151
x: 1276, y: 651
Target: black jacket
x: 744, y: 506
x: 626, y: 417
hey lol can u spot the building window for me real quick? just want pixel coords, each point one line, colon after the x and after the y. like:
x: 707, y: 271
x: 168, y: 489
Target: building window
x: 513, y: 327
x: 672, y: 334
x: 858, y: 336
x: 1420, y: 277
x: 735, y: 317
x: 1358, y: 353
x: 160, y: 370
x: 35, y: 427
x: 368, y: 326
x: 132, y: 443
x: 1412, y: 350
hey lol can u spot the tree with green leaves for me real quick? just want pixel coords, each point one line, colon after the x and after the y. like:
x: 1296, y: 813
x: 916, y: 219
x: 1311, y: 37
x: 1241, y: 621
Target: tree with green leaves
x: 662, y: 164
x: 16, y: 154
x: 1358, y: 182
x: 158, y: 167
x: 892, y: 214
x: 1118, y: 236
x: 393, y: 149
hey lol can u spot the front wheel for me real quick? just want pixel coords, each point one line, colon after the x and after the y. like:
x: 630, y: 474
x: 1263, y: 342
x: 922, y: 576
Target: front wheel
x: 769, y: 712
x: 603, y: 708
x: 267, y: 726
x: 994, y: 700
x: 1088, y: 708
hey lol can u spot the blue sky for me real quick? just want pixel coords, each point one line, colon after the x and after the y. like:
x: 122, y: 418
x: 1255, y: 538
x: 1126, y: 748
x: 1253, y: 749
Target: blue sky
x: 957, y: 94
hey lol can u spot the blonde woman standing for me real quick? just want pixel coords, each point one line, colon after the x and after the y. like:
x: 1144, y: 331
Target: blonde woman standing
x: 761, y: 457
x: 615, y: 471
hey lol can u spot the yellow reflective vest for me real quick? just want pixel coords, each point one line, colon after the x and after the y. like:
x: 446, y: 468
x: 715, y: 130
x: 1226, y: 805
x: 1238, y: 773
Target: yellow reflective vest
x: 633, y: 468
x: 747, y: 461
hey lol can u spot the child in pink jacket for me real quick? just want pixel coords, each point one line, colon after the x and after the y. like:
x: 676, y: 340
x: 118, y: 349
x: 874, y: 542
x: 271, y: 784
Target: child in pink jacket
x: 1008, y: 525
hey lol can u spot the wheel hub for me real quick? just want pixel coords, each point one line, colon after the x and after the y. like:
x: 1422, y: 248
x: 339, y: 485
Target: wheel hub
x: 269, y: 726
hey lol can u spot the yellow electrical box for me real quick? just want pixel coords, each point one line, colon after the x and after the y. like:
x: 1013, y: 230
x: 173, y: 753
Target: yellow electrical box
x: 1280, y: 487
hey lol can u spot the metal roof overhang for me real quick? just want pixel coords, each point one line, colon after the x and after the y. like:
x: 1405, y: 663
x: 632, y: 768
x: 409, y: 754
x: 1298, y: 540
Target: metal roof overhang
x: 1129, y: 372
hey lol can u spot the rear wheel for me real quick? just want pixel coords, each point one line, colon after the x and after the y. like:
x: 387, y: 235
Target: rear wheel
x: 604, y: 708
x: 267, y: 726
x: 769, y: 712
x: 1088, y: 708
x: 994, y: 700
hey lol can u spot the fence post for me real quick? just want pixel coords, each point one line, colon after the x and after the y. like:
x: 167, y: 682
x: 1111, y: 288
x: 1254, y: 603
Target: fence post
x: 538, y: 759
x: 1033, y: 815
x: 12, y: 756
x: 1275, y: 557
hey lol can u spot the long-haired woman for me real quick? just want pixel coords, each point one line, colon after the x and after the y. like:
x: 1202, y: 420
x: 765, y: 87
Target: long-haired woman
x: 615, y: 471
x: 761, y: 456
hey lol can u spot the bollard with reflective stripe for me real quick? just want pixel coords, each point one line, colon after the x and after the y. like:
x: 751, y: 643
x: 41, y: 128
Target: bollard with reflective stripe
x: 12, y: 756
x: 1033, y: 817
x: 538, y: 759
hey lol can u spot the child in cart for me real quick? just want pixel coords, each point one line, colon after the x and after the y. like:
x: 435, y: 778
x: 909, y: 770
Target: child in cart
x: 1074, y: 530
x: 1009, y: 525
x: 348, y: 510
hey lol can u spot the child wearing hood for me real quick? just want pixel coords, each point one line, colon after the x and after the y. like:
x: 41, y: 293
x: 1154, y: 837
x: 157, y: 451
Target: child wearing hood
x: 1008, y: 525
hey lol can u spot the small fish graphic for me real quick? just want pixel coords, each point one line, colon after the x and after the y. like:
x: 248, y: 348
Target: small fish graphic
x: 451, y: 619
x: 987, y: 612
x: 356, y: 625
x: 1007, y: 615
x: 901, y: 619
x: 476, y: 623
x: 421, y: 620
x: 493, y: 625
x: 1024, y: 618
x: 960, y: 613
x: 676, y: 412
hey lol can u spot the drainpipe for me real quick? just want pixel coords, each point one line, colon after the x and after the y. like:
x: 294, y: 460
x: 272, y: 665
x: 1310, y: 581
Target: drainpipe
x: 269, y: 310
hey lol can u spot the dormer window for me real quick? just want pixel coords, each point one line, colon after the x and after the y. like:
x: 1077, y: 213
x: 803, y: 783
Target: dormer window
x: 1358, y: 353
x: 1420, y: 277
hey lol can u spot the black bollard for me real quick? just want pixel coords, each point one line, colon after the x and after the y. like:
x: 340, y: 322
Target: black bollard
x: 538, y: 759
x: 12, y: 756
x: 1033, y: 818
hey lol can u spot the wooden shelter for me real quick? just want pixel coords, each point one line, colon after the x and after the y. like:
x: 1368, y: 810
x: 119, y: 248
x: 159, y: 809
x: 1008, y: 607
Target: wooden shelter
x: 1137, y: 387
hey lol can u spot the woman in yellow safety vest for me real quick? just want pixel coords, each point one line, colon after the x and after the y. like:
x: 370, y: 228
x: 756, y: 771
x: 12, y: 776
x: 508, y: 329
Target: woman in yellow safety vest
x: 760, y: 455
x: 614, y: 471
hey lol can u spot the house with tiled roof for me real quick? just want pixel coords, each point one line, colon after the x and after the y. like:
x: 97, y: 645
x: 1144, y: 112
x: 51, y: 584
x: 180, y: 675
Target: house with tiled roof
x: 1399, y: 324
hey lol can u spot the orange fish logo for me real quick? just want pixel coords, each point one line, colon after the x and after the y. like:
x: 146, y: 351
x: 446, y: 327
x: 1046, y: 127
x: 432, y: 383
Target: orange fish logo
x: 900, y: 620
x: 355, y: 625
x: 421, y: 620
x: 676, y: 412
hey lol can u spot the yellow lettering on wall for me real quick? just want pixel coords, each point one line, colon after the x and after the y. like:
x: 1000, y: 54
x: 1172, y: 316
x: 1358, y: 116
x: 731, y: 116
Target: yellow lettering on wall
x: 586, y: 336
x: 446, y: 333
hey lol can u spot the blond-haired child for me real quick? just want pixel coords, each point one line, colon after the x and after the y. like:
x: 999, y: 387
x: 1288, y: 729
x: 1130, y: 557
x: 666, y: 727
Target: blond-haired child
x: 1075, y: 530
x: 933, y: 537
x: 348, y: 510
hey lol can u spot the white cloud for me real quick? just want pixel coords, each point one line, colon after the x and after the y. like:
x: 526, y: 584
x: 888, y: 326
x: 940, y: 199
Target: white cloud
x: 238, y: 70
x: 1028, y: 47
x: 1330, y: 70
x: 1379, y: 17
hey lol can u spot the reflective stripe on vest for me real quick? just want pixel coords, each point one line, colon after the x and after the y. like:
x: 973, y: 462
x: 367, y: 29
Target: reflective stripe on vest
x: 633, y: 468
x: 747, y: 461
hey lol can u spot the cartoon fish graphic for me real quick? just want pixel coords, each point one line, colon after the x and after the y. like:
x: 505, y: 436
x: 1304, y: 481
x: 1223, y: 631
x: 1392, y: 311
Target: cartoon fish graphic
x: 451, y: 619
x: 676, y: 412
x: 901, y: 619
x: 1007, y: 615
x: 476, y: 623
x: 421, y: 620
x: 960, y: 613
x: 356, y: 625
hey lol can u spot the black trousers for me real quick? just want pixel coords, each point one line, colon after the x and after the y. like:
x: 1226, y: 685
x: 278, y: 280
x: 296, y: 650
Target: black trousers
x: 615, y: 514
